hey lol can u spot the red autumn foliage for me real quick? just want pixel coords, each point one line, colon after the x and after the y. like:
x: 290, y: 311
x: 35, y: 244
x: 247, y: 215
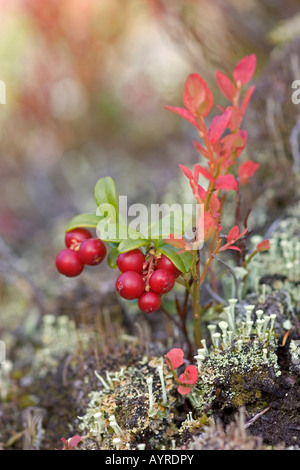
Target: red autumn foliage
x: 221, y: 152
x: 245, y: 69
x: 183, y: 390
x: 233, y: 236
x: 71, y: 443
x: 218, y: 126
x: 226, y: 182
x: 175, y: 358
x: 226, y: 86
x: 189, y: 377
x: 185, y: 113
x: 263, y: 246
x: 246, y: 170
x: 197, y: 97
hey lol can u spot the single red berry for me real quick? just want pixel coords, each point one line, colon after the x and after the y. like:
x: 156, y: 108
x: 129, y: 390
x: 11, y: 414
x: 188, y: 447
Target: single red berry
x: 130, y: 285
x: 166, y: 264
x: 149, y: 302
x: 68, y: 263
x: 76, y: 236
x: 92, y: 251
x: 161, y: 281
x: 131, y: 261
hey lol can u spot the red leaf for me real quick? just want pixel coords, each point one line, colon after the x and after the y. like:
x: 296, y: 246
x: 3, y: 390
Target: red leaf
x: 218, y: 126
x: 245, y: 69
x: 232, y: 142
x: 211, y: 224
x: 233, y: 234
x: 214, y: 204
x: 65, y: 443
x: 198, y: 97
x: 186, y: 171
x: 71, y: 443
x: 74, y: 441
x: 201, y: 192
x: 201, y: 149
x: 263, y: 246
x: 194, y: 93
x: 246, y: 170
x: 203, y: 171
x: 226, y: 182
x: 247, y: 98
x: 185, y: 113
x: 226, y: 86
x: 184, y: 390
x: 174, y: 358
x: 189, y: 377
x: 235, y: 120
x: 234, y: 248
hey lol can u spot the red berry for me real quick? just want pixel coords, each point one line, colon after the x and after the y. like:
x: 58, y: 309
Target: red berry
x: 92, y: 251
x: 131, y: 261
x: 68, y: 263
x: 76, y: 236
x: 166, y: 264
x: 130, y: 285
x: 161, y: 281
x: 149, y: 302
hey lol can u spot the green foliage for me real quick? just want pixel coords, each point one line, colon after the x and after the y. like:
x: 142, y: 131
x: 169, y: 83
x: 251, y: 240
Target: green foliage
x: 182, y: 261
x: 89, y: 220
x: 105, y: 192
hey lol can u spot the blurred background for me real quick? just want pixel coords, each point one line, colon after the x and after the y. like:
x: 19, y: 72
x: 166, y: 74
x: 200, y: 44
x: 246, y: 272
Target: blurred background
x: 86, y: 85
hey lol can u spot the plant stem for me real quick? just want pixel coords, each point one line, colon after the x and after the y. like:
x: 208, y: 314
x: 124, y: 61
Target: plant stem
x: 196, y: 307
x: 198, y: 279
x: 197, y: 313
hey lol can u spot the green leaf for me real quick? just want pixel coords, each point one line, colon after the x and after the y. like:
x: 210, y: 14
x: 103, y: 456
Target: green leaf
x: 114, y: 245
x: 89, y: 219
x: 186, y: 258
x: 169, y: 304
x: 105, y: 192
x: 112, y: 257
x: 129, y: 244
x: 182, y: 261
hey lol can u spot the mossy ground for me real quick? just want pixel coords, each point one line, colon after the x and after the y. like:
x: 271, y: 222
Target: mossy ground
x: 64, y: 393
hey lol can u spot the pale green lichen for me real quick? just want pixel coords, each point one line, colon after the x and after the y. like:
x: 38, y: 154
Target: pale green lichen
x: 57, y: 338
x: 5, y: 379
x: 294, y: 350
x: 284, y: 248
x: 245, y: 350
x: 136, y: 400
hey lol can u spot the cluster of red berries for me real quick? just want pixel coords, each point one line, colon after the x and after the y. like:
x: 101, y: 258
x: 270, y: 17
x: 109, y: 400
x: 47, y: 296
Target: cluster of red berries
x: 145, y: 279
x: 81, y: 249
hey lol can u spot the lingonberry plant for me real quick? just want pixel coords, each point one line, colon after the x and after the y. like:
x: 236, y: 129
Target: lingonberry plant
x: 150, y: 266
